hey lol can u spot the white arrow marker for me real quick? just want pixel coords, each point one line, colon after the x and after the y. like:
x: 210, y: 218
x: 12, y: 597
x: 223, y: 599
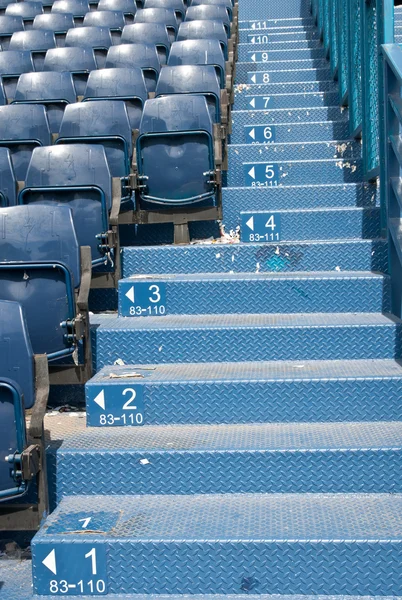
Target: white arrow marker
x: 253, y: 40
x: 252, y: 135
x: 252, y: 102
x: 130, y: 294
x: 253, y: 26
x: 100, y: 399
x: 253, y: 57
x: 85, y: 522
x: 250, y: 223
x: 253, y: 78
x: 252, y: 172
x: 50, y: 562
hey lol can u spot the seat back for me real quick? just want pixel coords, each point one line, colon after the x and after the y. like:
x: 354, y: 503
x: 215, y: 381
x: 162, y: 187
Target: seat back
x: 17, y: 363
x: 206, y: 12
x: 12, y: 64
x: 40, y: 267
x: 192, y: 79
x: 154, y: 34
x: 26, y: 10
x: 37, y: 41
x: 120, y: 84
x: 4, y: 4
x: 127, y: 7
x: 8, y: 25
x: 78, y: 8
x: 204, y: 30
x: 22, y: 128
x: 136, y: 55
x: 77, y: 176
x: 97, y: 38
x: 176, y: 5
x: 112, y: 19
x: 54, y: 90
x: 102, y: 122
x: 8, y: 184
x: 226, y: 3
x: 59, y: 23
x: 79, y: 61
x: 199, y: 52
x: 164, y: 16
x: 175, y: 156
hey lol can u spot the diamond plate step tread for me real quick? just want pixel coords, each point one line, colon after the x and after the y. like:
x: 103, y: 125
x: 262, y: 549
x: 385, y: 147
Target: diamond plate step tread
x: 228, y: 338
x: 293, y: 151
x: 324, y: 131
x: 283, y: 75
x: 267, y: 543
x: 243, y: 258
x: 285, y: 88
x: 214, y: 459
x: 246, y: 55
x: 278, y: 22
x: 235, y: 200
x: 278, y: 116
x: 262, y: 293
x: 277, y: 36
x: 297, y: 100
x: 297, y: 172
x: 255, y: 9
x: 282, y: 45
x: 272, y: 67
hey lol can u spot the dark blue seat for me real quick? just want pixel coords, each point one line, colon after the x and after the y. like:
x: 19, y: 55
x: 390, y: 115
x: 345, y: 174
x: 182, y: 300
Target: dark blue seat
x: 148, y: 33
x: 59, y: 23
x: 119, y: 84
x: 102, y: 122
x: 52, y: 89
x: 76, y: 176
x: 199, y: 52
x: 195, y: 80
x: 112, y: 19
x: 226, y: 3
x: 26, y: 10
x: 79, y: 61
x: 4, y: 4
x: 206, y: 12
x: 17, y: 361
x: 97, y: 38
x: 8, y: 184
x: 136, y: 55
x: 176, y: 5
x: 37, y: 41
x: 127, y: 7
x: 78, y: 8
x: 204, y: 30
x: 175, y: 152
x: 12, y: 65
x: 40, y: 268
x: 22, y: 128
x: 163, y: 16
x: 8, y: 26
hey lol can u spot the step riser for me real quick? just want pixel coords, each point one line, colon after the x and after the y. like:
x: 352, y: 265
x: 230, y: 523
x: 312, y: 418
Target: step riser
x: 243, y: 68
x: 245, y: 54
x: 245, y: 153
x: 248, y: 258
x: 299, y: 116
x: 263, y: 38
x: 225, y: 472
x: 296, y: 173
x: 269, y: 75
x: 269, y: 296
x: 149, y: 346
x: 309, y: 132
x: 246, y: 102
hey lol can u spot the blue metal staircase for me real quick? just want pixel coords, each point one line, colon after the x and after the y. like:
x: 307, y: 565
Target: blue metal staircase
x: 243, y: 430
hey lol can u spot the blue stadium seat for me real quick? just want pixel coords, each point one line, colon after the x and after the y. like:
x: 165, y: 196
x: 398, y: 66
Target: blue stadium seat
x: 37, y: 41
x: 78, y: 8
x: 112, y: 19
x: 52, y: 89
x: 8, y: 184
x: 26, y: 10
x: 22, y: 128
x: 4, y: 4
x: 163, y: 16
x: 148, y: 33
x: 226, y: 3
x: 76, y: 176
x: 176, y: 5
x: 102, y: 122
x: 136, y: 55
x: 79, y: 61
x: 127, y: 7
x: 209, y: 13
x: 205, y: 30
x: 8, y: 26
x: 187, y: 175
x: 120, y: 84
x: 59, y: 23
x: 97, y: 38
x: 40, y: 267
x: 200, y: 52
x: 12, y: 65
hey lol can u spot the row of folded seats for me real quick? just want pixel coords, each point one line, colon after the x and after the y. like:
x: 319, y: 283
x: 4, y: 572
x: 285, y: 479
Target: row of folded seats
x: 111, y: 113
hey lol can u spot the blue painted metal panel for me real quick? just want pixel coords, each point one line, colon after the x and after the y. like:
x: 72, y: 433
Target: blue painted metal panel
x: 271, y: 76
x: 264, y: 38
x: 264, y: 56
x: 275, y: 116
x: 298, y: 151
x: 292, y: 132
x: 285, y: 88
x: 295, y: 100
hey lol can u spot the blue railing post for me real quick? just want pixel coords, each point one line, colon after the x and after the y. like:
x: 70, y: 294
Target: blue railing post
x: 343, y: 49
x: 355, y: 68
